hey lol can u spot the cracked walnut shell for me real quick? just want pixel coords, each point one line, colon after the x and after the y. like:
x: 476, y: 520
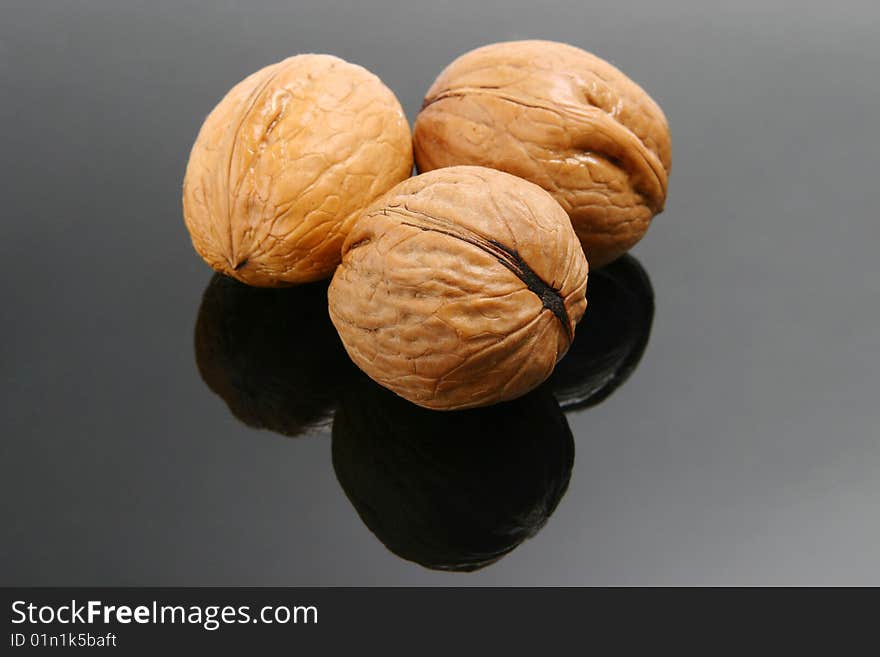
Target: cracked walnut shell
x: 562, y: 118
x: 460, y: 288
x: 284, y: 164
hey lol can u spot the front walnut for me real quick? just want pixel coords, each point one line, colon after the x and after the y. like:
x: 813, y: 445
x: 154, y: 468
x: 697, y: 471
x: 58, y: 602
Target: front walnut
x: 460, y: 288
x: 562, y: 118
x: 285, y: 162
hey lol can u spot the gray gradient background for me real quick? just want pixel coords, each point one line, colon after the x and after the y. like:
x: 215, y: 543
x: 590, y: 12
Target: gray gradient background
x: 744, y: 450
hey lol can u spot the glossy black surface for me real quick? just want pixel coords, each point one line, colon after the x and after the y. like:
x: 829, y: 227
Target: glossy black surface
x: 730, y: 436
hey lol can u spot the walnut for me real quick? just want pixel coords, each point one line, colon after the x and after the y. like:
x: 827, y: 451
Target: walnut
x: 451, y: 491
x: 460, y: 287
x: 285, y: 162
x: 562, y: 118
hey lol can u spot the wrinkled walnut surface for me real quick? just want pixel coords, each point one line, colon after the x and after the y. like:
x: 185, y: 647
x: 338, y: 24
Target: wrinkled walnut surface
x: 562, y: 118
x: 285, y: 162
x: 460, y: 287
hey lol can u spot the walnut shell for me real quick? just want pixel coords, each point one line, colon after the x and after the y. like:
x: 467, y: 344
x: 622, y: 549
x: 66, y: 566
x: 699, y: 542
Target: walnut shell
x: 562, y: 118
x: 459, y: 288
x: 285, y: 162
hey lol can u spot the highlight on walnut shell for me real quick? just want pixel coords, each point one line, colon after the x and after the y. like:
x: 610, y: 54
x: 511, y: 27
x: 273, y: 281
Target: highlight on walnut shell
x: 285, y: 162
x: 460, y: 288
x: 562, y: 118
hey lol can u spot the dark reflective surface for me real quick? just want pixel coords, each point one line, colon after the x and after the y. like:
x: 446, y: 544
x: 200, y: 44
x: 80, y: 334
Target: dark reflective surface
x: 743, y: 449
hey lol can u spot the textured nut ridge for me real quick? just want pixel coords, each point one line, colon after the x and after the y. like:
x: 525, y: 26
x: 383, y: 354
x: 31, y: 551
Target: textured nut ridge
x: 562, y: 118
x: 460, y: 288
x: 285, y: 162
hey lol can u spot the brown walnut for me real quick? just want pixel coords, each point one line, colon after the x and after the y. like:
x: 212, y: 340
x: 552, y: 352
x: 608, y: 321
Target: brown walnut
x: 562, y: 118
x: 285, y: 162
x: 459, y: 288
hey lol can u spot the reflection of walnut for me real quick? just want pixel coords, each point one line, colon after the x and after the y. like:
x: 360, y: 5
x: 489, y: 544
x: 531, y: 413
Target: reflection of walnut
x: 284, y: 164
x: 562, y: 118
x: 611, y: 338
x: 451, y: 491
x: 271, y: 353
x: 460, y: 287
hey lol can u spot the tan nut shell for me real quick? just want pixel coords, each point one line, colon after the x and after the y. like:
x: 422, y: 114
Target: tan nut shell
x: 460, y: 287
x: 285, y: 162
x: 562, y: 118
